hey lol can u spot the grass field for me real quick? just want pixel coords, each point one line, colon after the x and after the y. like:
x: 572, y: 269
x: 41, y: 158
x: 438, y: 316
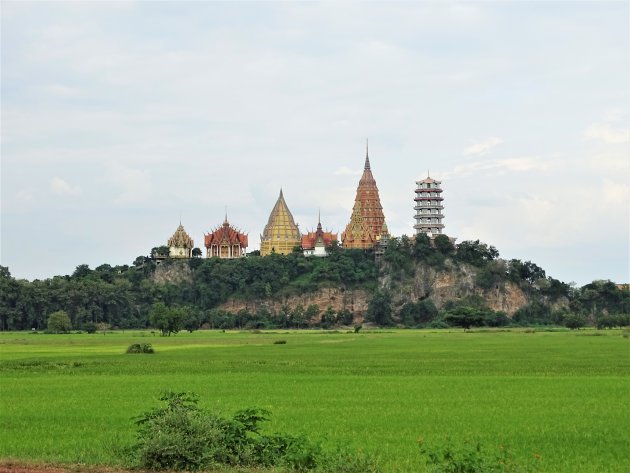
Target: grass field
x: 557, y: 400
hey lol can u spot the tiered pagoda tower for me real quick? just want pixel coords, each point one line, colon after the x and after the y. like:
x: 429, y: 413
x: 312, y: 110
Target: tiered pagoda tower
x: 367, y: 223
x: 180, y: 245
x: 281, y: 234
x: 225, y: 242
x: 316, y: 243
x: 428, y: 207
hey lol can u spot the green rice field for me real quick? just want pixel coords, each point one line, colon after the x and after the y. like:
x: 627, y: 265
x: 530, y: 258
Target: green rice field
x: 557, y: 400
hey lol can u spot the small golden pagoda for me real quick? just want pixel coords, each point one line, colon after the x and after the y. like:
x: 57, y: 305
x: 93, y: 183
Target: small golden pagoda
x: 367, y: 223
x: 180, y: 245
x: 281, y: 234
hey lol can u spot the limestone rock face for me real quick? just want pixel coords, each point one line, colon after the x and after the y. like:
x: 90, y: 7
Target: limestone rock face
x: 452, y: 283
x: 174, y: 272
x: 354, y: 300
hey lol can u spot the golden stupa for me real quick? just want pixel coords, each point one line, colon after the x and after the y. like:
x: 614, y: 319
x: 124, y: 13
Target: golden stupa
x: 281, y: 234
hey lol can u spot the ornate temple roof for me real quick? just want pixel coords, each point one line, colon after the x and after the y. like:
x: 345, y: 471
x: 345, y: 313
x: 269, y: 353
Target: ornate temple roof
x: 367, y: 220
x: 319, y: 236
x: 428, y: 180
x: 281, y: 233
x: 226, y: 234
x: 181, y: 239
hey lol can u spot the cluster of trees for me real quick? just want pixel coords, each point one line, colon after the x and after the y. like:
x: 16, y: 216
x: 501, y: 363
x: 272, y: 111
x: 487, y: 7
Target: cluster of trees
x: 128, y: 297
x: 123, y: 296
x: 469, y: 312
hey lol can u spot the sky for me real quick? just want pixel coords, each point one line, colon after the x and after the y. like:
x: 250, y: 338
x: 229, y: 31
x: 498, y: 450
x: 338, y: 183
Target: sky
x: 118, y: 119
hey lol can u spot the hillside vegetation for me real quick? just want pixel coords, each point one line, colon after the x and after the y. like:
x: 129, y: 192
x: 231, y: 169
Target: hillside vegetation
x: 415, y: 283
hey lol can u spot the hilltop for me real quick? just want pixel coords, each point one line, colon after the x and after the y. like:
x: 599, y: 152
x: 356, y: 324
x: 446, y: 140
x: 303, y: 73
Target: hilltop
x: 414, y: 283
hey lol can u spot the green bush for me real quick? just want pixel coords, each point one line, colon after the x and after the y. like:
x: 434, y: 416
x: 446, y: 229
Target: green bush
x: 180, y: 436
x: 90, y: 327
x: 280, y: 342
x: 469, y: 457
x: 140, y: 348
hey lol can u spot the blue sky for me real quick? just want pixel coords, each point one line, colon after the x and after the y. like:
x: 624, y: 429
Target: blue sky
x: 118, y: 118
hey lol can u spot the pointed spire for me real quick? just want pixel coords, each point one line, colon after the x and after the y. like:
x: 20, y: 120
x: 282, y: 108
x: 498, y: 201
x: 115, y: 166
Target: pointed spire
x: 367, y: 156
x: 282, y: 196
x: 225, y: 222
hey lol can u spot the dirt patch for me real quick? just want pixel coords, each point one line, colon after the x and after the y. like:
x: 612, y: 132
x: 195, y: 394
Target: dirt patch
x: 21, y: 467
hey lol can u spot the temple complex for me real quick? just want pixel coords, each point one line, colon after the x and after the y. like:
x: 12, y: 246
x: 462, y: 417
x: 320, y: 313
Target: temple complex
x: 180, y: 245
x: 316, y: 243
x: 367, y: 223
x: 225, y: 242
x: 281, y: 234
x: 428, y: 207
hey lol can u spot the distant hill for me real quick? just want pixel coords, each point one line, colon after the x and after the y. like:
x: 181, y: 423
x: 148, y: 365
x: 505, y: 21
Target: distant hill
x: 415, y: 282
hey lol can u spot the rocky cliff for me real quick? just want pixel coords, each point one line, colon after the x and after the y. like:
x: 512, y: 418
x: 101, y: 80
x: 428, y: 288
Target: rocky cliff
x: 453, y: 282
x: 353, y: 300
x: 172, y: 272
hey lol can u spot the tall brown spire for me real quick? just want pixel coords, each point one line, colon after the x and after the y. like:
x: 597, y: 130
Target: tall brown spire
x: 367, y: 220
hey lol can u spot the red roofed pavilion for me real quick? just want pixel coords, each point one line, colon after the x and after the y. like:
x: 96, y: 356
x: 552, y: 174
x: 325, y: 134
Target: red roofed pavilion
x: 225, y: 242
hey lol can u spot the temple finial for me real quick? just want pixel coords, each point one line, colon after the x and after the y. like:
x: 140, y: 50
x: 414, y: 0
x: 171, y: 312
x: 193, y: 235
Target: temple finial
x: 226, y: 220
x: 281, y: 195
x: 428, y: 174
x: 367, y: 156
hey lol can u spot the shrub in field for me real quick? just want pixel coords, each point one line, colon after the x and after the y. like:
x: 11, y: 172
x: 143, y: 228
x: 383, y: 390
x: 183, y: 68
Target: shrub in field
x: 574, y: 321
x: 90, y: 327
x: 280, y: 342
x: 469, y: 457
x: 181, y: 436
x: 59, y: 322
x: 140, y: 348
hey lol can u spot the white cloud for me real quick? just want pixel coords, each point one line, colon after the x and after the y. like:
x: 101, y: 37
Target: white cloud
x: 60, y: 187
x: 346, y: 171
x: 607, y: 134
x: 614, y: 114
x: 502, y: 166
x: 134, y: 185
x: 481, y: 148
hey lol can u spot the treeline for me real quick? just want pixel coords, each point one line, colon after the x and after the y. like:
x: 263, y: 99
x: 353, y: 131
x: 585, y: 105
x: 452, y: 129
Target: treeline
x: 122, y: 296
x: 125, y: 296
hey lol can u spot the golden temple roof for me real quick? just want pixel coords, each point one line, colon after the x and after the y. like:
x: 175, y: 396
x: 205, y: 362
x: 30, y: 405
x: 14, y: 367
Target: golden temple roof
x: 281, y: 234
x: 181, y: 239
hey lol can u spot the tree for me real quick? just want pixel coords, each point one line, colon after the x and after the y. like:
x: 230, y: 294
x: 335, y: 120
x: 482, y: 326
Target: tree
x: 196, y: 253
x: 475, y: 253
x: 464, y: 316
x: 167, y: 320
x: 59, y: 322
x: 444, y: 245
x: 422, y: 246
x: 160, y: 251
x: 379, y: 308
x: 574, y: 321
x: 312, y: 313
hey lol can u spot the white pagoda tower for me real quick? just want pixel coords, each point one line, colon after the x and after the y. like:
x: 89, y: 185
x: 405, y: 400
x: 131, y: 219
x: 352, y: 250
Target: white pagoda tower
x: 428, y: 207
